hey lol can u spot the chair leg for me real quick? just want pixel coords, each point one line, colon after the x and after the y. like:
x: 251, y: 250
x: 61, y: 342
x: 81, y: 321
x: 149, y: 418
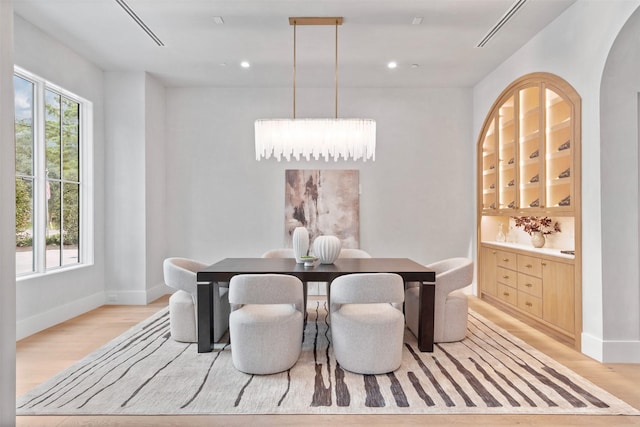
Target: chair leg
x: 304, y: 298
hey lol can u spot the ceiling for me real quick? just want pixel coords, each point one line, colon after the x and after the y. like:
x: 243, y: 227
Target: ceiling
x: 199, y: 52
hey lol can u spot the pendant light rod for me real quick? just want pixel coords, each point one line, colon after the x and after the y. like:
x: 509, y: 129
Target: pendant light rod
x: 295, y: 21
x: 294, y: 69
x: 336, y: 70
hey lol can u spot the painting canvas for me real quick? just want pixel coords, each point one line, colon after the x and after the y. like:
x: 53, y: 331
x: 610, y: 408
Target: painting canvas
x: 326, y: 202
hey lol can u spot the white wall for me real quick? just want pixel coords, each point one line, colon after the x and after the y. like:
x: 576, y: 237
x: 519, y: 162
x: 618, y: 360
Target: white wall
x: 619, y: 104
x: 7, y: 221
x: 46, y: 300
x: 135, y: 242
x: 155, y: 168
x: 416, y: 197
x: 575, y: 46
x: 125, y: 182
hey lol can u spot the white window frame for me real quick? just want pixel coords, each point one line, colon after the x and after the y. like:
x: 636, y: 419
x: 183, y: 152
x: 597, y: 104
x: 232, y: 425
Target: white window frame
x: 86, y: 190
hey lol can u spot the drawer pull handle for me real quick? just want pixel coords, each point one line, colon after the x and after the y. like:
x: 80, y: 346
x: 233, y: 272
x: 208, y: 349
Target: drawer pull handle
x: 528, y: 304
x: 505, y: 277
x: 505, y: 259
x: 528, y: 285
x: 529, y: 266
x: 506, y: 294
x: 493, y: 252
x: 544, y: 263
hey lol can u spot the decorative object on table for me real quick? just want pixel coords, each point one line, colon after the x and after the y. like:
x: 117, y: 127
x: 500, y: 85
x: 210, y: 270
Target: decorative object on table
x: 512, y: 205
x: 511, y: 183
x: 511, y: 235
x: 500, y: 236
x: 537, y: 228
x: 535, y: 203
x: 325, y: 202
x: 535, y: 178
x: 327, y: 249
x: 309, y: 260
x: 492, y: 186
x: 564, y: 146
x: 534, y: 154
x: 565, y: 173
x: 300, y: 239
x: 511, y: 161
x: 565, y: 202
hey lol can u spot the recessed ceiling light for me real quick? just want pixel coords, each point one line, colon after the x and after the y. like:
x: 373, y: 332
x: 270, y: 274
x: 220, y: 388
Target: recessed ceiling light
x: 417, y: 20
x: 392, y: 64
x: 218, y: 20
x: 245, y: 64
x: 415, y: 65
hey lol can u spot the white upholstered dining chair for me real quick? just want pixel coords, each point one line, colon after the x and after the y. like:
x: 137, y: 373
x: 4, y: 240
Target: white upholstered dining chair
x: 180, y: 274
x: 367, y: 330
x: 451, y: 304
x: 287, y: 253
x: 266, y: 322
x: 353, y: 253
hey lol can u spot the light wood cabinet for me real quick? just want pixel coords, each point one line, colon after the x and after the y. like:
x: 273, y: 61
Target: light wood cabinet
x: 559, y: 296
x: 539, y: 287
x: 488, y: 270
x: 529, y: 165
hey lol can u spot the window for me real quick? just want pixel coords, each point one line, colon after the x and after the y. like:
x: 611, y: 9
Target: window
x: 52, y: 146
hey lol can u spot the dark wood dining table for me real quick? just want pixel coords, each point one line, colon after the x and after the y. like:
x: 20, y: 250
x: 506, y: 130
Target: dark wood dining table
x: 225, y: 269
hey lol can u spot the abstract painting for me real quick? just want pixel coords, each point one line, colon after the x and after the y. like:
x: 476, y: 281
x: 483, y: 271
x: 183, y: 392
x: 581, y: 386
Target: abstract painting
x: 326, y: 202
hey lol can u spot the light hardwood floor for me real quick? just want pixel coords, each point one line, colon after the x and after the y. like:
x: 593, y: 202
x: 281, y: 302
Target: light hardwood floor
x: 42, y: 355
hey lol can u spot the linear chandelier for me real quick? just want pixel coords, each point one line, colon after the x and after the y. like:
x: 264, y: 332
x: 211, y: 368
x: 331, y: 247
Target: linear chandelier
x: 335, y: 138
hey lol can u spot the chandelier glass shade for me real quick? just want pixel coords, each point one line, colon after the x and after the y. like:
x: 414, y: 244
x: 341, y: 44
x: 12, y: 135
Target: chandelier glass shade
x: 349, y: 139
x: 327, y: 138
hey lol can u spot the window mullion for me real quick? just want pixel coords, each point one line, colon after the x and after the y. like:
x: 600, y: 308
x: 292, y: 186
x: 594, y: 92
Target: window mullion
x: 40, y: 181
x: 61, y: 160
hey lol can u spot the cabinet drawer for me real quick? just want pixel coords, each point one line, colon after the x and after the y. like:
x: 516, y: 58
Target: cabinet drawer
x: 530, y: 285
x: 530, y: 265
x: 508, y: 294
x: 507, y: 260
x: 530, y: 304
x: 507, y: 277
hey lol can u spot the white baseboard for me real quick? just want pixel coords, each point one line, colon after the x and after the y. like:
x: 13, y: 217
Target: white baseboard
x: 142, y: 297
x: 621, y: 352
x: 605, y: 351
x: 591, y: 346
x: 59, y: 314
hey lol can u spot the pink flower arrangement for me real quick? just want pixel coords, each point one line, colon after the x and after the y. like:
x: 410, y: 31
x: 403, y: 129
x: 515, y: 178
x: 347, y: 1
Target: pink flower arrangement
x: 531, y: 224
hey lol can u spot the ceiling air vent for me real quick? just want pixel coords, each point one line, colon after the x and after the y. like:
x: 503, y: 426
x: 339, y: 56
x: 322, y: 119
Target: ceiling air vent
x: 140, y: 22
x: 501, y: 22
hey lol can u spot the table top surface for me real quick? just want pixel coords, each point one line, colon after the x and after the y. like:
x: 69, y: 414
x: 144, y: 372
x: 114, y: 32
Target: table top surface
x: 228, y: 267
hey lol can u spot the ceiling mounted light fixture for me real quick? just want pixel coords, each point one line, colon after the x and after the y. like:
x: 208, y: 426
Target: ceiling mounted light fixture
x: 351, y: 139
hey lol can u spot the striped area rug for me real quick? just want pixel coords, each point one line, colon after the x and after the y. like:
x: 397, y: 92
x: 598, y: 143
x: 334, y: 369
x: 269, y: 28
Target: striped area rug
x: 490, y: 372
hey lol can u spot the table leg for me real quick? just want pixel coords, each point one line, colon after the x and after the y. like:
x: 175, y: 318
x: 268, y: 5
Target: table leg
x: 205, y: 317
x: 427, y: 296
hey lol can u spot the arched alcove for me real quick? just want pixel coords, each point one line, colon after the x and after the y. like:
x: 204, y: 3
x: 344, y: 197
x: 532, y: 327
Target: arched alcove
x: 619, y: 160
